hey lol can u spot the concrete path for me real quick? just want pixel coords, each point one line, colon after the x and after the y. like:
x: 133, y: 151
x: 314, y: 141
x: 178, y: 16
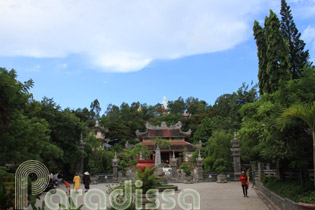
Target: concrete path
x: 213, y: 196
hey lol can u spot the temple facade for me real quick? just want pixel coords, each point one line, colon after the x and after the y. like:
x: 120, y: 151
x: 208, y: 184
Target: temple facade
x: 177, y: 138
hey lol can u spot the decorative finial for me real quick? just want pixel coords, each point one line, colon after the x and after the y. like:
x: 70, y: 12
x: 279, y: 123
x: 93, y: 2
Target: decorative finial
x: 115, y: 155
x: 199, y: 156
x: 97, y: 124
x: 173, y: 154
x: 234, y: 134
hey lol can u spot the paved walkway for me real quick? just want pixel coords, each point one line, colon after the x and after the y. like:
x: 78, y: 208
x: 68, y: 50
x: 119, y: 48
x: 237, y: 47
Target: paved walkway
x: 213, y: 196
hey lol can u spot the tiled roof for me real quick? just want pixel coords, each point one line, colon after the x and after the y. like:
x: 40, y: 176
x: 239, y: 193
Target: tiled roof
x: 175, y: 145
x: 163, y: 133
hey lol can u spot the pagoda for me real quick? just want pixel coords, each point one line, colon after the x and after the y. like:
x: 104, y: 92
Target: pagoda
x: 177, y: 138
x: 99, y: 133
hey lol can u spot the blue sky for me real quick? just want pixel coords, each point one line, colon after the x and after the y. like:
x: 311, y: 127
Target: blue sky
x: 128, y: 51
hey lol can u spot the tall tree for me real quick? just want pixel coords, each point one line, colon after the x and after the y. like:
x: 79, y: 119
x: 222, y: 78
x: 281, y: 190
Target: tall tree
x: 277, y: 54
x: 95, y: 109
x: 298, y: 58
x: 273, y: 54
x: 259, y: 34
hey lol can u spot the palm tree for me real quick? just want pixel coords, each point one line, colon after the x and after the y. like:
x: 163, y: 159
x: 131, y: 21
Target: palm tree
x: 305, y: 113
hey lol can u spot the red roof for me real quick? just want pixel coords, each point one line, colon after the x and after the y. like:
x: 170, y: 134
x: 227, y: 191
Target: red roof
x: 164, y: 133
x: 175, y: 146
x: 151, y: 143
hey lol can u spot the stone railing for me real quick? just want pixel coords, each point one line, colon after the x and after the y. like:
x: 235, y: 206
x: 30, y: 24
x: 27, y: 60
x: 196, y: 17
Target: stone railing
x: 270, y: 173
x: 282, y: 203
x: 212, y: 176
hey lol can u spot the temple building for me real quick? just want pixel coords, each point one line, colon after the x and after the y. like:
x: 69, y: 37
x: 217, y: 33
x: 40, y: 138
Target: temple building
x: 177, y: 138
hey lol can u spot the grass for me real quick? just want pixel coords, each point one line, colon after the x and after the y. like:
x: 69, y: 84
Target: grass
x: 291, y: 189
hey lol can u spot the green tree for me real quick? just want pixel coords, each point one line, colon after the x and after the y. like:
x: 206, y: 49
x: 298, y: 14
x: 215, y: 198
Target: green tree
x: 218, y: 154
x: 95, y: 109
x: 277, y: 54
x: 307, y: 114
x: 178, y: 106
x: 24, y: 135
x: 273, y: 55
x: 259, y: 34
x: 298, y: 58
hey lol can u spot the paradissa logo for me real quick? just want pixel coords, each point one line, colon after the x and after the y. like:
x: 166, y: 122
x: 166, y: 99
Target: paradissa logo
x: 121, y: 198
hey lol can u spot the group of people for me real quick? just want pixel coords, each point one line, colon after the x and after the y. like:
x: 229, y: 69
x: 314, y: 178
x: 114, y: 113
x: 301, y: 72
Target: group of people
x: 245, y: 182
x: 77, y: 182
x: 244, y: 178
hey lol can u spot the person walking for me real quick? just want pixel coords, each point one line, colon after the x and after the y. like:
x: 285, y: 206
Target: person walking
x: 86, y: 181
x: 77, y: 181
x: 243, y: 179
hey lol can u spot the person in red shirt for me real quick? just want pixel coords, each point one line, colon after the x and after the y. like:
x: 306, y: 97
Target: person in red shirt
x: 243, y: 179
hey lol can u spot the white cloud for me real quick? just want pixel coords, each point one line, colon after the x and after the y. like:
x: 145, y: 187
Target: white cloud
x: 122, y: 35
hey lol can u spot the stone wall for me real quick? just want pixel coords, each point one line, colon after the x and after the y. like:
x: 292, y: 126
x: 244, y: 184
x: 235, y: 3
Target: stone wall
x: 282, y: 203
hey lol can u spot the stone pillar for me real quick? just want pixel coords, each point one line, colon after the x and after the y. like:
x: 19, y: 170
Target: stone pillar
x: 253, y: 174
x: 199, y: 167
x: 236, y: 157
x: 174, y: 166
x: 115, y: 162
x: 260, y: 170
x: 80, y: 164
x: 157, y: 156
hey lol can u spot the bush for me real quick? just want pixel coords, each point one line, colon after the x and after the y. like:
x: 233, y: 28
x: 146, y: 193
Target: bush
x: 291, y: 189
x: 186, y: 168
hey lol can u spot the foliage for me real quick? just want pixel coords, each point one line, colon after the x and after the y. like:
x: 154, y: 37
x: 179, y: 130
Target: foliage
x: 100, y: 161
x: 6, y: 196
x: 187, y: 168
x: 128, y: 158
x: 71, y: 205
x: 291, y: 189
x: 148, y: 178
x: 298, y: 58
x: 217, y: 152
x: 33, y: 199
x: 273, y: 55
x: 177, y: 107
x: 162, y: 143
x: 121, y: 198
x: 307, y: 114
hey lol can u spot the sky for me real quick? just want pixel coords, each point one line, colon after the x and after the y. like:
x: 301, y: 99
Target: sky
x: 119, y: 51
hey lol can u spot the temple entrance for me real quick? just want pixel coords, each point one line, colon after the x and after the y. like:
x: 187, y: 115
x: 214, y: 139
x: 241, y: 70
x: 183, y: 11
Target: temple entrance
x: 165, y: 156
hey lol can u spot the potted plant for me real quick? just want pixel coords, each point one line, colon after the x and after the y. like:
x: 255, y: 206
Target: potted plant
x: 187, y: 169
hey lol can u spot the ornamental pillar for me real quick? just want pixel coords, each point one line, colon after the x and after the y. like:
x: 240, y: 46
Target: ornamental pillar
x: 199, y: 167
x: 236, y: 157
x: 174, y: 166
x: 115, y: 167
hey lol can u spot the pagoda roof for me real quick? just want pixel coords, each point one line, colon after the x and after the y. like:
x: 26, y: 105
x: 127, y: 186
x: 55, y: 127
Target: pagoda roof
x: 97, y: 127
x: 175, y: 146
x: 163, y: 131
x: 100, y: 129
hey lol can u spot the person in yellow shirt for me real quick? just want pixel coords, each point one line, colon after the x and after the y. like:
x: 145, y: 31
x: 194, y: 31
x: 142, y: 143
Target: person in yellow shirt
x: 77, y: 181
